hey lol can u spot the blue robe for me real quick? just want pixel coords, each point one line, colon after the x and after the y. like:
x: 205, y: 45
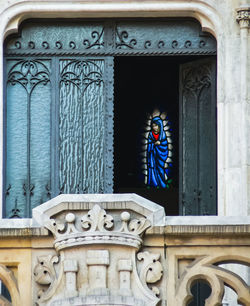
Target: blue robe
x: 157, y: 156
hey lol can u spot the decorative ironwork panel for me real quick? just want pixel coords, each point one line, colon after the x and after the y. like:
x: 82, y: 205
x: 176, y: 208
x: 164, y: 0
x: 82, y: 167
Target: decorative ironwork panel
x: 27, y: 135
x: 58, y: 37
x: 110, y: 37
x: 81, y: 126
x: 198, y: 147
x: 170, y: 36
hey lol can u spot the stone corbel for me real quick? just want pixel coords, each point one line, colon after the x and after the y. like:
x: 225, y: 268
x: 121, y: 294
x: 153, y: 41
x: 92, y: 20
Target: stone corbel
x: 243, y: 17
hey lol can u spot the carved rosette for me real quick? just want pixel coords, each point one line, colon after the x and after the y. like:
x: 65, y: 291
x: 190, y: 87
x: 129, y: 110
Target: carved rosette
x: 96, y: 228
x: 243, y: 17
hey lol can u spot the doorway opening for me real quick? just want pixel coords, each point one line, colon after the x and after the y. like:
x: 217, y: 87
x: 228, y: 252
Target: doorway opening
x: 145, y: 87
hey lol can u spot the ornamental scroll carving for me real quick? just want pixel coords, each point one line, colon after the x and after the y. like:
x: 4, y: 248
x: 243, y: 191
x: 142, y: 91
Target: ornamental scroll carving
x: 97, y: 257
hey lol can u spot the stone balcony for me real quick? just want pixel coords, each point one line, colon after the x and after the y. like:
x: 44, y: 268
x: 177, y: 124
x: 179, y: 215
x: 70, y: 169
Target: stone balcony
x: 119, y: 249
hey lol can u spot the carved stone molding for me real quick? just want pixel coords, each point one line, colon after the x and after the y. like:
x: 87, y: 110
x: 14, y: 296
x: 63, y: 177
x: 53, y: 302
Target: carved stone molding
x: 8, y: 279
x: 243, y: 17
x: 207, y: 268
x: 96, y: 227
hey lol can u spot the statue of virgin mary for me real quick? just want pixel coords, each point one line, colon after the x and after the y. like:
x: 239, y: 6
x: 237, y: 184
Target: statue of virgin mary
x: 157, y: 154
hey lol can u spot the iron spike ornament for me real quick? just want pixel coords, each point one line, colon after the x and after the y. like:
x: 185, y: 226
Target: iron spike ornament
x: 157, y: 150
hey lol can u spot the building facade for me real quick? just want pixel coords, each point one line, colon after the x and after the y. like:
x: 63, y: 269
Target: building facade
x: 223, y: 37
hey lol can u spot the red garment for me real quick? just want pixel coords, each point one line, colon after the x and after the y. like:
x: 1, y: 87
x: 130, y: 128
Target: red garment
x: 156, y: 136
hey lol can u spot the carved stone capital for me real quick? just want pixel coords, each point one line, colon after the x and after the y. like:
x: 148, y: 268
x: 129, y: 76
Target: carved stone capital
x: 243, y: 17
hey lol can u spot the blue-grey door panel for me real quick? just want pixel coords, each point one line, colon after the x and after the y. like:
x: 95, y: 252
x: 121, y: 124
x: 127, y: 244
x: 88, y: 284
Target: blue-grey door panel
x: 198, y: 169
x: 58, y: 139
x: 27, y: 134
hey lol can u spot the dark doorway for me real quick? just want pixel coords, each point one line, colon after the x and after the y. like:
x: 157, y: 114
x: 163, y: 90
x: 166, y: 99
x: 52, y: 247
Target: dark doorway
x: 142, y: 85
x: 184, y: 89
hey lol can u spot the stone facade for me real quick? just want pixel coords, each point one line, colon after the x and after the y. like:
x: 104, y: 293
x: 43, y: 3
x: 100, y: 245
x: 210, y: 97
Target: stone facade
x: 119, y: 250
x: 88, y: 260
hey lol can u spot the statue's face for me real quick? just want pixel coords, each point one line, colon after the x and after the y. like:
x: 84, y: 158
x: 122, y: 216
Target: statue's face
x: 155, y: 128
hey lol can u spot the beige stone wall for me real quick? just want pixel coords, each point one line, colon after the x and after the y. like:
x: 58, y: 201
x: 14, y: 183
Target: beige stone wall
x: 15, y: 269
x: 119, y: 250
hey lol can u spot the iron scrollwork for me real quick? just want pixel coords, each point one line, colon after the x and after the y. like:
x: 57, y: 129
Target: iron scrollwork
x: 124, y: 41
x: 59, y: 45
x: 32, y: 45
x: 174, y: 44
x: 147, y: 44
x: 160, y: 44
x: 188, y: 44
x: 45, y: 45
x: 81, y: 75
x: 202, y: 43
x: 15, y: 212
x: 7, y: 192
x: 29, y: 73
x: 72, y: 45
x: 18, y: 45
x: 97, y: 40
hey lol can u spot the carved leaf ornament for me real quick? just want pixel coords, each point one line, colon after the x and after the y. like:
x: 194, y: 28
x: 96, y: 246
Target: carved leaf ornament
x: 97, y: 227
x: 97, y: 220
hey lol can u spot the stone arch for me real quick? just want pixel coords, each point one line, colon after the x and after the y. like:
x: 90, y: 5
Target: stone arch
x: 10, y: 282
x: 203, y: 12
x: 217, y: 278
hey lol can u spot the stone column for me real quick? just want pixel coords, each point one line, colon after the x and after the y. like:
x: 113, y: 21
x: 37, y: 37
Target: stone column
x: 243, y: 18
x: 70, y: 269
